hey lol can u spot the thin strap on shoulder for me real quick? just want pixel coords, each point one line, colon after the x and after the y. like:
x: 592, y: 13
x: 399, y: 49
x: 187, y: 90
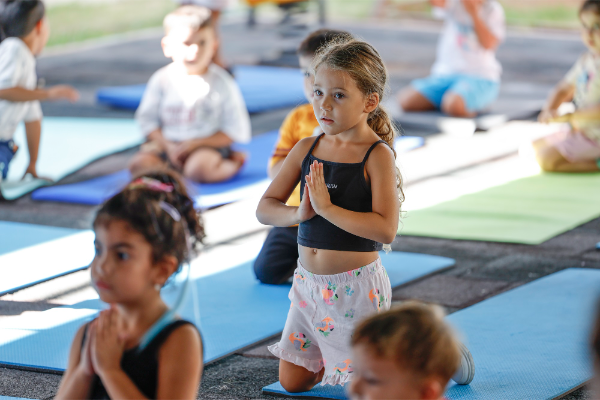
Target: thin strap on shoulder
x: 371, y: 149
x: 315, y: 142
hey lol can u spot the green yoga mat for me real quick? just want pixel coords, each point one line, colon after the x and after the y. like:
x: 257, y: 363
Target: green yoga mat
x: 529, y: 210
x: 66, y: 145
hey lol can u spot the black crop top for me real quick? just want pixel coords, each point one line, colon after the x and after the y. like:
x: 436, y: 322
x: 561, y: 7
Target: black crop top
x: 348, y: 189
x: 140, y: 366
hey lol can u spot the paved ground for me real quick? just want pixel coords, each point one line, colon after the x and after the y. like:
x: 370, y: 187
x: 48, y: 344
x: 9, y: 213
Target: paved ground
x: 482, y: 269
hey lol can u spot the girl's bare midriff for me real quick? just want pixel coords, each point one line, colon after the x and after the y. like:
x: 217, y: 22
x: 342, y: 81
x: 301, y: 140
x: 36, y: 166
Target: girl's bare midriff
x: 331, y: 262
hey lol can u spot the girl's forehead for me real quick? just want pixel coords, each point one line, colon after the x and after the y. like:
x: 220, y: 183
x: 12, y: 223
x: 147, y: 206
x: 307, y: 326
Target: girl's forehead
x: 326, y: 76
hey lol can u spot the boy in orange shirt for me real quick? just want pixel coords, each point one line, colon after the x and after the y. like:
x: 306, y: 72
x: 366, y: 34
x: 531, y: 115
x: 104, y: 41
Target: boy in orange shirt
x: 278, y: 257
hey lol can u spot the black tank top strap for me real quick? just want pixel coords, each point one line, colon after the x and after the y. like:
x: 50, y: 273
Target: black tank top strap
x: 315, y: 143
x: 371, y: 149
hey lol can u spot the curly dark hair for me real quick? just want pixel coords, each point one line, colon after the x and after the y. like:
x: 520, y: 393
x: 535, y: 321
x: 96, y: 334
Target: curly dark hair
x: 140, y: 206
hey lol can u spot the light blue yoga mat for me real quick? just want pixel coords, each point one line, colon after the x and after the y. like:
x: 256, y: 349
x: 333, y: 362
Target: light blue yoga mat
x: 66, y: 145
x: 234, y: 309
x: 529, y: 343
x: 263, y: 88
x: 252, y: 178
x: 30, y: 254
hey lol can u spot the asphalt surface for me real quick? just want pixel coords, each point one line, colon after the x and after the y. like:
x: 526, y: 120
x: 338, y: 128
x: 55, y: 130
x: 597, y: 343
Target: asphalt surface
x: 532, y: 61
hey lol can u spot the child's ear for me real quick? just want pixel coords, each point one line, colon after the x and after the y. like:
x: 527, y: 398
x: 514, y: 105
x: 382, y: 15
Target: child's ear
x: 164, y: 43
x: 372, y: 102
x: 431, y: 389
x: 165, y: 267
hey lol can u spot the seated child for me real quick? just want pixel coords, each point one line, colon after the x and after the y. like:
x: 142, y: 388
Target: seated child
x: 24, y: 32
x: 192, y: 110
x: 465, y: 78
x: 408, y: 352
x: 279, y: 255
x: 139, y: 348
x: 576, y: 148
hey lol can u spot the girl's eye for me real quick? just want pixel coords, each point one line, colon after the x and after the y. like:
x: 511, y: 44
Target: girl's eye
x: 318, y: 92
x: 97, y: 250
x: 339, y: 95
x: 307, y: 74
x: 122, y: 256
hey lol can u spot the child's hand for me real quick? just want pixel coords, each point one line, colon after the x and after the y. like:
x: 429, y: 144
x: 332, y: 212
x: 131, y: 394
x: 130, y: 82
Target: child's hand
x: 305, y: 210
x: 546, y: 116
x: 85, y: 360
x: 472, y: 6
x: 63, y: 92
x: 438, y: 3
x: 33, y: 172
x: 107, y: 344
x: 319, y: 195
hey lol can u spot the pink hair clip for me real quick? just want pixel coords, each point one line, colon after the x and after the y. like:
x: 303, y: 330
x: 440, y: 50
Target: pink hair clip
x: 152, y: 184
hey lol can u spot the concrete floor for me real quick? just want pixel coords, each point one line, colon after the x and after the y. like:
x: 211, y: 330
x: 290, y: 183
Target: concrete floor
x: 482, y: 269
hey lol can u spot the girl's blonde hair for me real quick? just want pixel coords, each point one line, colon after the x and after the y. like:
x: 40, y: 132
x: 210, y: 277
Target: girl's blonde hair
x: 415, y: 336
x: 363, y: 63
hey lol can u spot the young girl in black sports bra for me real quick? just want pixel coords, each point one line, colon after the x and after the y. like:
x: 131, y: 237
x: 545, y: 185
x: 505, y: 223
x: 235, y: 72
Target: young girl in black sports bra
x: 351, y: 197
x: 138, y: 348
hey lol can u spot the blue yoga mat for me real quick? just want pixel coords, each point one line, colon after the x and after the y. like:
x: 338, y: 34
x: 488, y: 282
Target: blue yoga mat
x: 264, y: 88
x: 529, y: 343
x: 235, y: 311
x: 30, y: 254
x: 533, y: 341
x: 66, y: 145
x: 252, y: 179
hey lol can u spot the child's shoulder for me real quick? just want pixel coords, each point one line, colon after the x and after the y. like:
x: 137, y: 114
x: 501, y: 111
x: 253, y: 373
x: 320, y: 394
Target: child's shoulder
x: 14, y: 48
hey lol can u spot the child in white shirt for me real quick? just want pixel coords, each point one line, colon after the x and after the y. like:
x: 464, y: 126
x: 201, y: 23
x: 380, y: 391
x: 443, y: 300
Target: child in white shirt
x: 465, y: 78
x: 24, y: 32
x: 576, y: 147
x: 192, y: 110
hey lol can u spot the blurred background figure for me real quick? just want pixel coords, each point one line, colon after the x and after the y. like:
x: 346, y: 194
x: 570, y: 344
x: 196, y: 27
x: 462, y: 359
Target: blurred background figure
x: 465, y: 78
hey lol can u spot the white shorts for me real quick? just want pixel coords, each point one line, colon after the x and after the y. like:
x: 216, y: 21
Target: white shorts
x: 324, y: 312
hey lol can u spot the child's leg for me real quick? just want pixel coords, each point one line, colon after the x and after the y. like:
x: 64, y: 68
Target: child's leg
x: 145, y: 161
x: 424, y: 94
x: 468, y: 95
x: 412, y: 100
x: 277, y: 259
x: 207, y: 165
x: 295, y: 378
x: 454, y: 105
x: 567, y: 151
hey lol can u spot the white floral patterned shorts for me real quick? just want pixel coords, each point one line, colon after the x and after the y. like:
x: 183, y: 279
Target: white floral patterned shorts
x: 324, y: 312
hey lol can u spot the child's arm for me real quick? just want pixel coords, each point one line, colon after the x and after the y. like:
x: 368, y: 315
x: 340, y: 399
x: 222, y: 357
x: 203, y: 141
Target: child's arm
x: 77, y: 380
x: 485, y: 36
x: 272, y: 209
x: 380, y: 225
x: 180, y: 365
x: 563, y: 92
x: 18, y: 94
